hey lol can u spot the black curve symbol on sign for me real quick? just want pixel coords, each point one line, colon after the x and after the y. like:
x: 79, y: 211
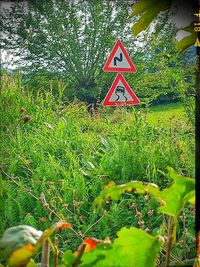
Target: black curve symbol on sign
x: 120, y: 58
x: 120, y: 89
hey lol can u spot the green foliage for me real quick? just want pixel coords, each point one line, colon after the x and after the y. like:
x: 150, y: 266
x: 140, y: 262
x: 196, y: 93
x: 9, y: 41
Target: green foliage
x: 56, y: 157
x: 172, y: 199
x: 65, y: 156
x: 126, y: 250
x: 71, y: 44
x: 70, y: 48
x: 133, y: 247
x: 149, y: 12
x: 31, y: 264
x: 68, y: 258
x: 181, y: 192
x: 162, y: 75
x: 187, y: 41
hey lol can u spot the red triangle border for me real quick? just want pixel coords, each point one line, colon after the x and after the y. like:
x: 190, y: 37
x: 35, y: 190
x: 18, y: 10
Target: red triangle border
x: 135, y: 100
x: 106, y: 68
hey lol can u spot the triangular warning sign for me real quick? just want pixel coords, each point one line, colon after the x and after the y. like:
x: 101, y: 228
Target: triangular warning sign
x: 197, y: 43
x: 120, y: 93
x: 119, y: 60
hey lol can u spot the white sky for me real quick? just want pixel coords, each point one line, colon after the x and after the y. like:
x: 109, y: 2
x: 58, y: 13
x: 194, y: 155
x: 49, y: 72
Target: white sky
x: 4, y: 56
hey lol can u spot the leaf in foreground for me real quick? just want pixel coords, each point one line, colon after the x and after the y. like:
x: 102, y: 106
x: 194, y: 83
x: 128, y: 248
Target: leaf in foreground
x: 148, y: 10
x: 133, y: 247
x: 172, y: 199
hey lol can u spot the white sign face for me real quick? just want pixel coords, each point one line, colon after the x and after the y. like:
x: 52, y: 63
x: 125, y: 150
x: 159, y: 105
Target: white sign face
x: 120, y: 93
x: 119, y: 60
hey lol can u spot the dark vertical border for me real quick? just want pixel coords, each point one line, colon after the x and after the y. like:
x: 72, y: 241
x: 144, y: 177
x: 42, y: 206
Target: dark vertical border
x: 197, y: 161
x: 197, y: 176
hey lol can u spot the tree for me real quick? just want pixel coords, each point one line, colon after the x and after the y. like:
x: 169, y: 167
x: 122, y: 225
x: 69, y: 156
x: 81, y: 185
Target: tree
x: 163, y: 74
x: 67, y: 38
x: 70, y: 41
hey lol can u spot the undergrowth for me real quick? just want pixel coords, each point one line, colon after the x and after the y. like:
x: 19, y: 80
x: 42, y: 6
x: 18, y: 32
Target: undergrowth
x: 65, y: 155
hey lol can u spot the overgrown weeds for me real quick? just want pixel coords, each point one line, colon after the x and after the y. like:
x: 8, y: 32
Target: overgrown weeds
x: 66, y: 155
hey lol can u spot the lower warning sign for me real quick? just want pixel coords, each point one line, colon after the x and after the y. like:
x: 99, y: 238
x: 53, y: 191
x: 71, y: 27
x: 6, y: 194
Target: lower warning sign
x: 120, y: 93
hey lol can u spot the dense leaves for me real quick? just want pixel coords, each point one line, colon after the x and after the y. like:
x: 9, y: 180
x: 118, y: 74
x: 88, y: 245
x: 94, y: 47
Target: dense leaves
x: 133, y: 247
x: 57, y: 157
x: 71, y: 47
x: 172, y: 199
x: 64, y: 39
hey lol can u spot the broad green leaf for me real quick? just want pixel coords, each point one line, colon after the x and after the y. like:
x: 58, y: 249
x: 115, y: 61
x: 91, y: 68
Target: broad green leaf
x: 114, y: 192
x: 141, y: 6
x: 172, y: 199
x: 101, y: 255
x: 68, y: 258
x: 145, y: 20
x: 188, y: 40
x: 31, y: 264
x: 148, y: 11
x: 192, y: 199
x: 180, y: 193
x: 133, y: 247
x: 137, y: 247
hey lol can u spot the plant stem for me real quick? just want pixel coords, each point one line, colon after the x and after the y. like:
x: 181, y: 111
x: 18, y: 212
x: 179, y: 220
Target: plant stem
x: 45, y: 205
x: 169, y: 239
x: 93, y: 225
x: 56, y: 253
x: 45, y: 254
x: 79, y: 255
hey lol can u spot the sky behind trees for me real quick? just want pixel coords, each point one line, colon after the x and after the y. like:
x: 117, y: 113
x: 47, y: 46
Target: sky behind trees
x: 180, y: 15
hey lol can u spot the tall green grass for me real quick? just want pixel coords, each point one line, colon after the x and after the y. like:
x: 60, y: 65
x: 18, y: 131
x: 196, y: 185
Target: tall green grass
x: 69, y: 155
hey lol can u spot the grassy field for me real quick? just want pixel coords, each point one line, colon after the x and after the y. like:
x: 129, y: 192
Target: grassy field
x: 56, y: 159
x: 166, y: 112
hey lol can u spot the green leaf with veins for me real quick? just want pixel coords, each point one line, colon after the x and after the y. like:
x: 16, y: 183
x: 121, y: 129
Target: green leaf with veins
x: 133, y: 247
x: 172, y: 199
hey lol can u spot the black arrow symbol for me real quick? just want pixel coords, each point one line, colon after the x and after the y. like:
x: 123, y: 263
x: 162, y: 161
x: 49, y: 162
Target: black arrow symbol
x: 118, y: 59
